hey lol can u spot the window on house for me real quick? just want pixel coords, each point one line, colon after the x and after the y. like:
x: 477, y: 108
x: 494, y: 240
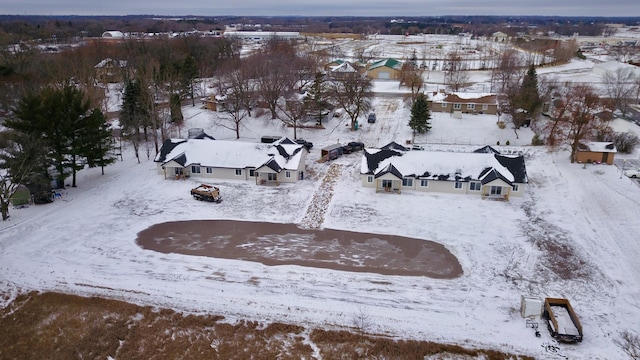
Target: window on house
x: 471, y: 106
x: 287, y: 174
x: 457, y: 106
x: 178, y: 171
x: 475, y: 186
x: 407, y: 182
x: 515, y: 187
x: 272, y: 177
x: 496, y: 190
x: 209, y: 170
x: 485, y: 106
x: 252, y: 173
x: 369, y: 179
x: 387, y: 183
x: 238, y: 172
x: 444, y: 105
x: 458, y: 185
x: 195, y: 169
x: 424, y: 183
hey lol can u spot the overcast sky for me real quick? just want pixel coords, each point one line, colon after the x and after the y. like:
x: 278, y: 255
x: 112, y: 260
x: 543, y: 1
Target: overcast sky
x: 322, y: 7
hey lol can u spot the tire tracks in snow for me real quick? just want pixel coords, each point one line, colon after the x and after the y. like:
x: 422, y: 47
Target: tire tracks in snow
x: 314, y: 216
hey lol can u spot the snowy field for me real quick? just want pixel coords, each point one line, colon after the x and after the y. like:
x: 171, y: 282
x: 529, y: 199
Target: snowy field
x: 574, y: 234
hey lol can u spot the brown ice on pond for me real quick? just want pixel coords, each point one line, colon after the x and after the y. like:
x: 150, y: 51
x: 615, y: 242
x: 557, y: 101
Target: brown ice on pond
x: 286, y: 244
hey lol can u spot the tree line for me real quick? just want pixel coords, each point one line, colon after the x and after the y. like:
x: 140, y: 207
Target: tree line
x: 61, y: 100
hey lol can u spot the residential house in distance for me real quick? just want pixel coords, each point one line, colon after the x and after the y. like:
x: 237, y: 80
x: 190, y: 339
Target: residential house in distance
x: 332, y: 64
x: 386, y: 69
x: 499, y: 36
x: 596, y: 152
x: 110, y: 71
x: 344, y: 69
x: 463, y: 103
x: 204, y: 157
x: 484, y: 173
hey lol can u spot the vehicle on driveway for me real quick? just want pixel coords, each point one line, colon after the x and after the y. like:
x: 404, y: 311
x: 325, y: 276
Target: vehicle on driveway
x: 307, y: 144
x: 632, y: 173
x: 356, y: 146
x: 372, y: 118
x: 347, y: 149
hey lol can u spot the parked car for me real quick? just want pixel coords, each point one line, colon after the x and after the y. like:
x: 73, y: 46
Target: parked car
x: 632, y: 173
x: 307, y: 144
x: 417, y: 147
x: 356, y: 145
x: 372, y: 118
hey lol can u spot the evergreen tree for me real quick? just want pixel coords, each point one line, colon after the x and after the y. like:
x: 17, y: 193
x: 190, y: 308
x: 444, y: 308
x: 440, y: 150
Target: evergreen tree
x: 175, y: 106
x: 316, y: 99
x: 420, y: 115
x: 529, y: 97
x: 61, y: 118
x: 189, y: 72
x: 99, y: 144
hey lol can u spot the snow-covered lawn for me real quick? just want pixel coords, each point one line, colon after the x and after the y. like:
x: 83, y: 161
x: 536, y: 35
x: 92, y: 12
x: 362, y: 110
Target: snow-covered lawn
x: 573, y: 235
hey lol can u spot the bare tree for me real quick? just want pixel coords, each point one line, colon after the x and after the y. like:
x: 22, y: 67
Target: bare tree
x: 509, y: 69
x: 455, y: 74
x: 292, y: 113
x: 620, y: 85
x: 563, y: 51
x: 411, y: 77
x: 236, y: 87
x: 275, y: 69
x: 19, y: 160
x: 520, y: 100
x: 577, y: 116
x: 353, y: 93
x: 623, y: 52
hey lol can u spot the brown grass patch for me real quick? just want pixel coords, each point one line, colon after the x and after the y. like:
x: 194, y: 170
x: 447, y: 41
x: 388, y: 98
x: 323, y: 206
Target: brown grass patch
x: 58, y: 326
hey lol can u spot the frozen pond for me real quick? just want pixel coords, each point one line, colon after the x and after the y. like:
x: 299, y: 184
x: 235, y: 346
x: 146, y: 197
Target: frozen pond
x: 286, y: 244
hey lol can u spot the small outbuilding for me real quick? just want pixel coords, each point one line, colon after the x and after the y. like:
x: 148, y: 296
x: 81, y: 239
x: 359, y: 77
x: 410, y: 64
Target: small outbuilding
x: 596, y: 152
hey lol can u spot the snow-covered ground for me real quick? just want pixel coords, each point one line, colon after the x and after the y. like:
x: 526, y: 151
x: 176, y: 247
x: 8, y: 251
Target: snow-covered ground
x: 84, y: 242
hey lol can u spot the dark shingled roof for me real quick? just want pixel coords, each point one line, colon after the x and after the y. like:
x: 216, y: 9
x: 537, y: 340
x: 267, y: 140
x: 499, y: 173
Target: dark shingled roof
x: 167, y: 147
x: 394, y: 146
x: 273, y: 165
x: 373, y: 159
x: 390, y: 169
x: 283, y: 152
x: 486, y: 149
x: 515, y: 165
x: 490, y: 174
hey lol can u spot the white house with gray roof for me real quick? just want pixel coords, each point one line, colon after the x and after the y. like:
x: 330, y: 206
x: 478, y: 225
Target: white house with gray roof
x: 484, y: 173
x: 280, y: 162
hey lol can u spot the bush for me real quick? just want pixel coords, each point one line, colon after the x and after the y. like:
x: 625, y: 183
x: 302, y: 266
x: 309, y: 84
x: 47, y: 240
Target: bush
x: 630, y: 343
x: 502, y: 124
x: 498, y: 143
x: 507, y: 143
x: 537, y: 140
x: 626, y: 142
